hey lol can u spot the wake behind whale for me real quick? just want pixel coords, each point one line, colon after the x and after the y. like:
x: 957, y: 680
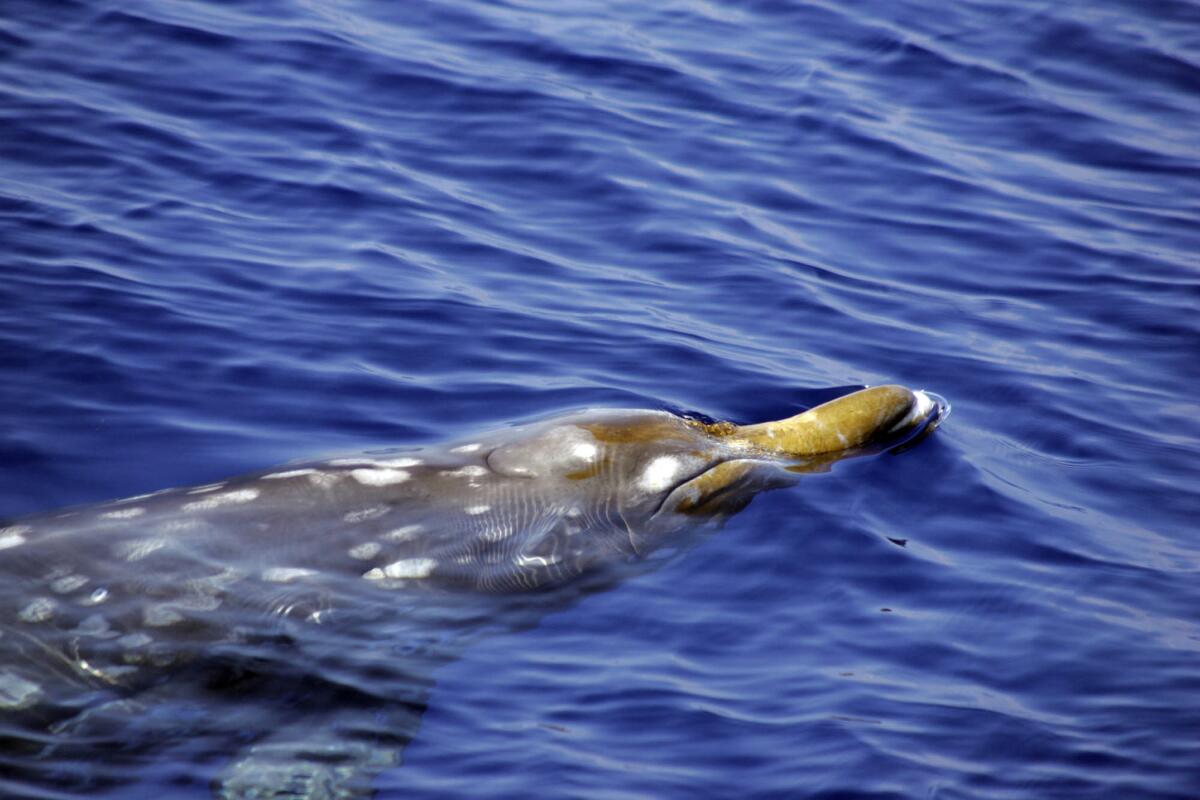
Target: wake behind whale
x: 287, y: 622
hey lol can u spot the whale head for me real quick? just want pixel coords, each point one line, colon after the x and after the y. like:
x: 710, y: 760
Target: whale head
x: 599, y: 485
x: 748, y: 459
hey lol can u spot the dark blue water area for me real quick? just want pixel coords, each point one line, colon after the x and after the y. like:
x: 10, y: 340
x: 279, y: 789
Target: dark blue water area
x: 236, y: 234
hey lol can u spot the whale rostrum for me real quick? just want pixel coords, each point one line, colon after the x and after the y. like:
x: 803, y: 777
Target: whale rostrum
x: 110, y: 609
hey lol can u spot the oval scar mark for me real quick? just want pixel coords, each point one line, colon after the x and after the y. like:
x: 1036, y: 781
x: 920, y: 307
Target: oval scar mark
x: 132, y: 640
x: 97, y: 597
x: 68, y: 584
x: 229, y: 498
x: 16, y: 692
x: 13, y: 536
x: 40, y: 610
x: 323, y: 479
x: 400, y: 534
x: 161, y: 616
x: 477, y: 509
x: 365, y: 551
x: 286, y: 574
x: 659, y: 473
x: 397, y: 462
x: 95, y: 627
x: 124, y: 513
x: 199, y: 602
x: 405, y: 568
x: 379, y: 477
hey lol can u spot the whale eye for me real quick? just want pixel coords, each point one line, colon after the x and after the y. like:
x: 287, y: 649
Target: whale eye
x: 563, y: 450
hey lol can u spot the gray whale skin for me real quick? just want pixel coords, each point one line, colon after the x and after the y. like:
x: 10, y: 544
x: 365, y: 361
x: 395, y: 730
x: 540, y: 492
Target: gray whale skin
x: 290, y: 619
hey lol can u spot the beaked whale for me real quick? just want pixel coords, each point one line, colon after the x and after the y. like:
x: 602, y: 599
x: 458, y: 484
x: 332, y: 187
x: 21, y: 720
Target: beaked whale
x: 288, y: 582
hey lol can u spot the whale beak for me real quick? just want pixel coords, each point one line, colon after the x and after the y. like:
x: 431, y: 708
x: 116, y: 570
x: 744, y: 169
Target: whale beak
x: 876, y: 417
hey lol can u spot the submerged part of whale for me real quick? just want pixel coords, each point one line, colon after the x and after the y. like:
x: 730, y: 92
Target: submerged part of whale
x: 350, y: 579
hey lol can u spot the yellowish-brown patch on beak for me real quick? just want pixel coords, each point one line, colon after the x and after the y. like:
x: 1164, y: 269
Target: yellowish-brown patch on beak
x: 704, y: 497
x: 854, y: 420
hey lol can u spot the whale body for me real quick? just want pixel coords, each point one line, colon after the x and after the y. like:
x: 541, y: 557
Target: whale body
x: 221, y: 600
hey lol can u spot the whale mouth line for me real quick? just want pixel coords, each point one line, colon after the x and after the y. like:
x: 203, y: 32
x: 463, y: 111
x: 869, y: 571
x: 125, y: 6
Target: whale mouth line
x: 667, y: 494
x: 938, y: 410
x: 942, y: 407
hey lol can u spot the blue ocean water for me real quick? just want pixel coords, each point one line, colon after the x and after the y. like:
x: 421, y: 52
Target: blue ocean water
x: 236, y: 234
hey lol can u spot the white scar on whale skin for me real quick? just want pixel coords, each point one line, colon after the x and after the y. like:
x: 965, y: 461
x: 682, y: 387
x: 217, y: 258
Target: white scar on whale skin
x: 291, y: 473
x: 13, y: 535
x: 212, y: 487
x: 16, y: 692
x: 40, y: 610
x: 659, y: 474
x: 137, y: 497
x: 178, y: 525
x: 405, y: 568
x: 323, y: 479
x: 96, y: 597
x: 375, y: 512
x: 466, y: 448
x: 380, y: 477
x: 400, y: 534
x: 198, y: 602
x: 365, y: 551
x: 229, y: 498
x: 132, y: 640
x: 473, y: 510
x: 397, y: 462
x: 285, y: 574
x: 160, y: 616
x: 140, y: 548
x: 375, y: 462
x: 465, y: 472
x: 95, y: 627
x: 68, y: 584
x: 124, y: 513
